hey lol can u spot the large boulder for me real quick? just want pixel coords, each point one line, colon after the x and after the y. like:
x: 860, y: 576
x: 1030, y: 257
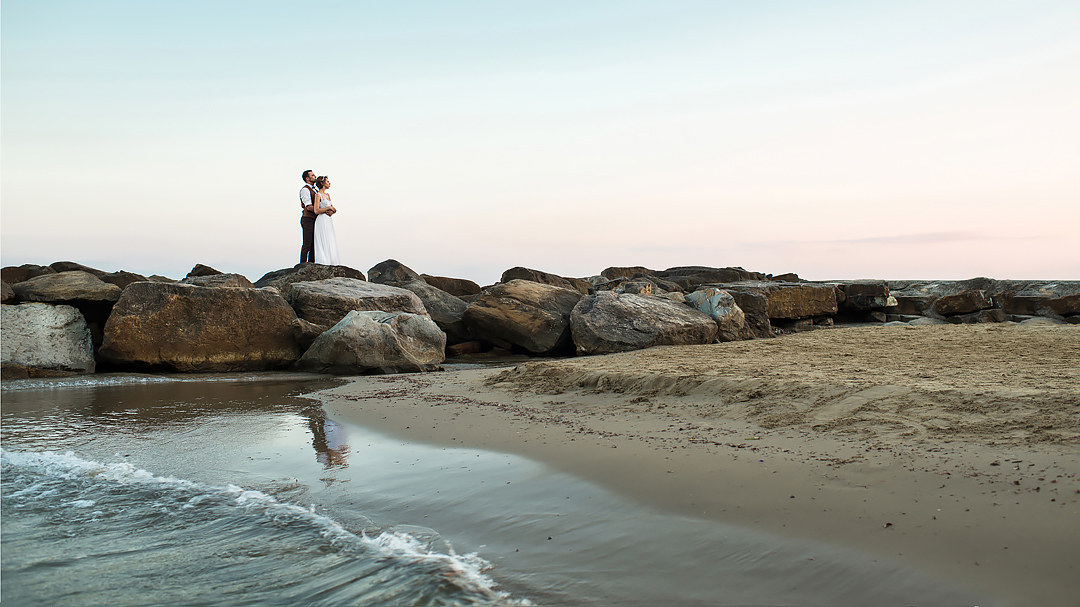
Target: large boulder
x: 392, y: 272
x: 862, y: 295
x: 325, y: 302
x: 379, y: 342
x: 529, y: 315
x: 610, y: 322
x: 445, y: 309
x: 789, y: 301
x: 964, y: 302
x: 305, y: 272
x: 219, y: 280
x: 459, y: 287
x: 721, y: 306
x: 14, y: 274
x: 547, y: 278
x: 66, y: 287
x: 1067, y: 305
x: 689, y: 278
x: 43, y: 340
x: 7, y: 291
x: 752, y: 297
x: 191, y: 328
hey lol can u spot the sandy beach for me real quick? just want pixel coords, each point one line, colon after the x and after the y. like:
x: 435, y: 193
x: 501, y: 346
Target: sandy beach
x: 951, y: 449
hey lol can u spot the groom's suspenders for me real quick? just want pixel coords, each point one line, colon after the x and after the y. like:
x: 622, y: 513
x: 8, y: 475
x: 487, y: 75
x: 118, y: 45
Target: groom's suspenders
x: 308, y: 212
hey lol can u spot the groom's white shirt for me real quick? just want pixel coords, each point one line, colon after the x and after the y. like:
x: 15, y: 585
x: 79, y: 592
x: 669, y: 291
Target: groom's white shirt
x: 305, y: 195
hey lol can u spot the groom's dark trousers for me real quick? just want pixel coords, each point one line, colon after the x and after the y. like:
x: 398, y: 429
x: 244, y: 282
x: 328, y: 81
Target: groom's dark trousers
x: 307, y: 249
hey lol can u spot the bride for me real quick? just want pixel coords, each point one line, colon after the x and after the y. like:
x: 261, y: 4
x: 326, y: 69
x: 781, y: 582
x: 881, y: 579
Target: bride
x: 326, y: 251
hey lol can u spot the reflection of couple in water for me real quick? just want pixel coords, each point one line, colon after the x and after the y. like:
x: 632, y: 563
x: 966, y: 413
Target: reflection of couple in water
x: 316, y: 221
x: 328, y: 438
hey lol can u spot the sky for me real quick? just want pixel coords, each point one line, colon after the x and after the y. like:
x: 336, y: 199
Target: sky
x: 834, y: 139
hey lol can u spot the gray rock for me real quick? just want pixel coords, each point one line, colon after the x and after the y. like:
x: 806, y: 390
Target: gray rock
x: 365, y: 342
x: 991, y: 315
x: 219, y: 280
x: 8, y: 294
x: 689, y: 278
x: 926, y: 320
x: 530, y: 315
x: 43, y: 340
x: 1036, y: 321
x: 325, y: 302
x: 721, y: 306
x: 66, y: 287
x: 608, y: 322
x: 445, y: 309
x: 191, y: 328
x: 305, y: 272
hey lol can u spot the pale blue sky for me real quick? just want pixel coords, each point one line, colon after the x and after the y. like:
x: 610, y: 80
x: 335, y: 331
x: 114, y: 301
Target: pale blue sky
x: 833, y: 139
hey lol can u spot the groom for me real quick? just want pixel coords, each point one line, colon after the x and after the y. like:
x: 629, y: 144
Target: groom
x: 307, y: 218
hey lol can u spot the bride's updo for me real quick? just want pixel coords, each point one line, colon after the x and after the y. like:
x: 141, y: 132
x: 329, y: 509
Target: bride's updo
x: 321, y: 181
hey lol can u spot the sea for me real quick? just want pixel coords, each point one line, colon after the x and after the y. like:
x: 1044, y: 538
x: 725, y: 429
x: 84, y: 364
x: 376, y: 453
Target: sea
x: 239, y: 489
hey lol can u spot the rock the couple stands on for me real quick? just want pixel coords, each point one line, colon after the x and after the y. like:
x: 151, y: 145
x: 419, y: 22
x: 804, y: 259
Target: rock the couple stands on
x: 319, y: 240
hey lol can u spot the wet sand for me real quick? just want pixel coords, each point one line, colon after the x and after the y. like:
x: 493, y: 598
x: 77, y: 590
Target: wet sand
x: 951, y: 449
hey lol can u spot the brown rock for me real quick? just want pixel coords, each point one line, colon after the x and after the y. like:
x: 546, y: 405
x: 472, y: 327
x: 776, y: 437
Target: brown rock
x: 8, y: 292
x: 219, y: 280
x: 305, y: 272
x: 689, y: 278
x: 990, y: 315
x: 625, y: 272
x: 528, y: 314
x: 1064, y: 306
x: 201, y: 270
x: 392, y: 272
x: 609, y: 322
x: 71, y: 266
x: 190, y: 328
x: 66, y: 287
x: 802, y: 300
x: 459, y: 287
x: 519, y: 273
x: 122, y: 278
x: 964, y: 302
x: 14, y: 274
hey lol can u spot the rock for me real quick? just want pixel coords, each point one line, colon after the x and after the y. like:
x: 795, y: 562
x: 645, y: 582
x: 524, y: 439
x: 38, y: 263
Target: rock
x: 530, y: 315
x: 201, y: 270
x: 8, y: 293
x: 876, y: 316
x: 392, y: 272
x: 991, y: 315
x: 466, y: 347
x: 191, y: 328
x: 721, y: 306
x: 445, y: 309
x: 43, y: 340
x: 122, y: 278
x: 789, y: 277
x: 964, y: 302
x: 610, y: 322
x: 790, y: 301
x: 325, y: 302
x: 689, y: 278
x: 636, y: 287
x: 66, y: 287
x: 519, y: 273
x: 1036, y: 321
x: 925, y: 320
x: 457, y: 287
x: 160, y: 278
x: 625, y: 272
x: 14, y: 274
x: 864, y: 295
x: 1064, y: 306
x: 911, y: 303
x: 71, y: 266
x: 305, y: 272
x: 372, y: 341
x: 1073, y: 320
x: 754, y: 304
x: 219, y: 280
x: 305, y: 333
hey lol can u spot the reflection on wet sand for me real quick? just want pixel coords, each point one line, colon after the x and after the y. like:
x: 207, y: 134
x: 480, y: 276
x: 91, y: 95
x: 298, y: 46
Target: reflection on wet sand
x: 328, y: 438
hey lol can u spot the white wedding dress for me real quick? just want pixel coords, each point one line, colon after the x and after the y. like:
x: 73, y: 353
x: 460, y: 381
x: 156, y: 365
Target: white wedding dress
x: 326, y: 251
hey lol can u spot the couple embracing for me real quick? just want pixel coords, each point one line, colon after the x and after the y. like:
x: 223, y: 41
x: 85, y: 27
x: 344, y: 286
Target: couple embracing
x: 320, y: 241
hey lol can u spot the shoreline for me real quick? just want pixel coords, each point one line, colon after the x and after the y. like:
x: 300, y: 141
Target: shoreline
x: 949, y: 457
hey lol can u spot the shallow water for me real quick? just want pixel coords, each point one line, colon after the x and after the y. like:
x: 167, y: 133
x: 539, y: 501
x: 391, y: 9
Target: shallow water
x: 233, y: 489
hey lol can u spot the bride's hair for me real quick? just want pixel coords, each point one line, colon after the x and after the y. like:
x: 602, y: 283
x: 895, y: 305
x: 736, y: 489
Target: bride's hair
x: 320, y: 181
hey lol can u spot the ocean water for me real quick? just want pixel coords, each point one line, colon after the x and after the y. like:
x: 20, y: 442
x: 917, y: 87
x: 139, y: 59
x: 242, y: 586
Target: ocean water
x: 237, y: 490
